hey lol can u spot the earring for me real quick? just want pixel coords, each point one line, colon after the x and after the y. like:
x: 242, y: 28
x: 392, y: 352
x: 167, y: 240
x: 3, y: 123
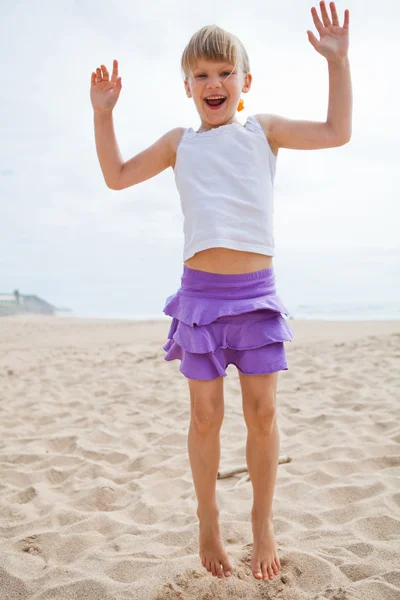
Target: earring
x: 240, y: 105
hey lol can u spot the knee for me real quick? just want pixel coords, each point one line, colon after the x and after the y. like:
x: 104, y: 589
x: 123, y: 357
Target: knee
x: 206, y: 404
x: 207, y: 420
x: 261, y: 419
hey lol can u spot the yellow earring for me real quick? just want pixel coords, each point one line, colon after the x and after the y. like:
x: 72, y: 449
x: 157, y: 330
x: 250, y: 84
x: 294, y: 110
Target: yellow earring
x: 240, y: 105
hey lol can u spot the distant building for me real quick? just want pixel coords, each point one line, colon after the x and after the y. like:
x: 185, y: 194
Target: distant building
x: 16, y: 304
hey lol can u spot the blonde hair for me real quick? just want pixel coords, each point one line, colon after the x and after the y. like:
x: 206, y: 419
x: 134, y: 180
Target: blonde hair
x: 215, y: 44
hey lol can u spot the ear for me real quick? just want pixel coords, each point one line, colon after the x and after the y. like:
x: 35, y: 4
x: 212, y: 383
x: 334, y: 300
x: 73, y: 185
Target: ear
x: 187, y: 88
x: 247, y: 82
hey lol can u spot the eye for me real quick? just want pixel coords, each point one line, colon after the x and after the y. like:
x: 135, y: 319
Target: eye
x: 224, y: 73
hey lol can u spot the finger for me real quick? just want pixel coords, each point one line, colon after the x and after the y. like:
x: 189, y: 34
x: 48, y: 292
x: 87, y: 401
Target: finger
x: 106, y: 75
x: 115, y: 70
x: 346, y: 21
x: 99, y: 76
x: 317, y: 21
x: 325, y: 16
x: 313, y: 40
x: 335, y: 19
x: 93, y: 79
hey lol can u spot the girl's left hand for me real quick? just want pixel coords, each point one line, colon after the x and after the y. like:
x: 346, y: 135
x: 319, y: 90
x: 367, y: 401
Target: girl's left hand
x: 334, y: 42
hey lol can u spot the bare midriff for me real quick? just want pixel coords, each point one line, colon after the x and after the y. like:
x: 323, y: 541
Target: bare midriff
x: 228, y: 262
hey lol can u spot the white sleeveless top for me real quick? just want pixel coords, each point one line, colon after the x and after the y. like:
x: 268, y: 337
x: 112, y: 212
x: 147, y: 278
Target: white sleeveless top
x: 224, y: 177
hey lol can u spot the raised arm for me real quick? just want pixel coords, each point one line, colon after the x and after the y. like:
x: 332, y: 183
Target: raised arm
x: 336, y: 130
x: 118, y: 175
x: 150, y: 162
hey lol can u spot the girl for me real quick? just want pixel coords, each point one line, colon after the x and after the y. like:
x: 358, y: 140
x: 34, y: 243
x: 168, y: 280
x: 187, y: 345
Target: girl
x: 227, y: 310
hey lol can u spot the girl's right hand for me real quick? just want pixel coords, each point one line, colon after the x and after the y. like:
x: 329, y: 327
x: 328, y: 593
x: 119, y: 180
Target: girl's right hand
x: 104, y: 92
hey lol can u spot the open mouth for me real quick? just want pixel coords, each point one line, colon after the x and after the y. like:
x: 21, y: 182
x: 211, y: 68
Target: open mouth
x: 215, y: 103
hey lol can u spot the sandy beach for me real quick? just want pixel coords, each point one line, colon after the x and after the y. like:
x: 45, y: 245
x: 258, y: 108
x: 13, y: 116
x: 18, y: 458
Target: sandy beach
x: 96, y: 496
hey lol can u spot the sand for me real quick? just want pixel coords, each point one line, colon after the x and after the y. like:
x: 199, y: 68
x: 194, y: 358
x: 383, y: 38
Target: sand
x: 96, y: 494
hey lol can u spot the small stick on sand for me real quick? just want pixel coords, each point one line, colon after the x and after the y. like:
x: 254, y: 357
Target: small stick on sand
x: 244, y: 469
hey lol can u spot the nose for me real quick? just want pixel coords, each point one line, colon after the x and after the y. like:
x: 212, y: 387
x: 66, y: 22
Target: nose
x: 214, y: 81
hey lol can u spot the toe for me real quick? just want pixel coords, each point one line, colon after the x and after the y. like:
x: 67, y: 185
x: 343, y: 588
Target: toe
x: 257, y: 572
x: 270, y: 572
x: 265, y: 571
x: 208, y: 565
x: 275, y: 567
x: 219, y: 570
x: 213, y: 568
x: 227, y: 569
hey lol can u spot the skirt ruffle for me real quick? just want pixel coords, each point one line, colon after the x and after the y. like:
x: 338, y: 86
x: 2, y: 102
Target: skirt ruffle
x: 193, y: 309
x: 215, y: 324
x: 248, y: 332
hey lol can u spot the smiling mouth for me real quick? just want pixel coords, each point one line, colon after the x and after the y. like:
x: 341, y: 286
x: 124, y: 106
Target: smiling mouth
x: 215, y: 103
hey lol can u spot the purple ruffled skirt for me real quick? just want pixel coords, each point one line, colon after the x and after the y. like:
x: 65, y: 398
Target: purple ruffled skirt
x: 220, y: 319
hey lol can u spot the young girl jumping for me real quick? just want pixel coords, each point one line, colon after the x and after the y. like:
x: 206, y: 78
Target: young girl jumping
x: 227, y: 310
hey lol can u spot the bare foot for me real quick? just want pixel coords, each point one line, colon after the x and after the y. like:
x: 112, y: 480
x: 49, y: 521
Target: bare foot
x: 212, y: 554
x: 264, y: 557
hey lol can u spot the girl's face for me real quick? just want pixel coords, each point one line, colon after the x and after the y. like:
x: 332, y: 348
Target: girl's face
x: 216, y: 79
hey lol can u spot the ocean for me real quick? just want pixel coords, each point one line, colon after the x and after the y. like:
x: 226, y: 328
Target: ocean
x: 346, y: 284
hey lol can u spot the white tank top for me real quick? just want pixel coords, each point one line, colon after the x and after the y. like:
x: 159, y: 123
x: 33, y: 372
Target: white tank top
x: 224, y: 177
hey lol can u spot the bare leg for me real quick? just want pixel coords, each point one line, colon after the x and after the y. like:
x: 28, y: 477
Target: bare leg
x: 262, y: 455
x: 204, y: 455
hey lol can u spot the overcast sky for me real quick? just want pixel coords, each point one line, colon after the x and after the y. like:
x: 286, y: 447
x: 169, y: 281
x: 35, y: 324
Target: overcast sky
x: 56, y: 214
